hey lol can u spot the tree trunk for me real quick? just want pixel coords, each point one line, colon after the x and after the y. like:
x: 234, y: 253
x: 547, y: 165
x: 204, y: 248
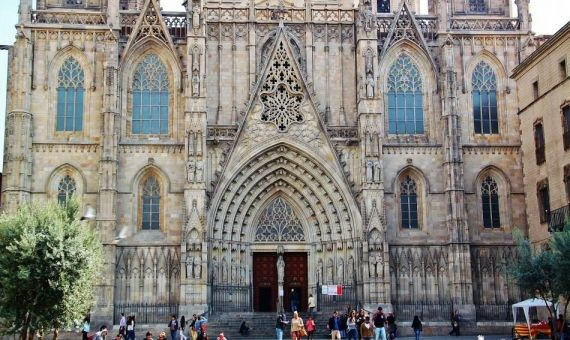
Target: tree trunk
x: 55, y: 333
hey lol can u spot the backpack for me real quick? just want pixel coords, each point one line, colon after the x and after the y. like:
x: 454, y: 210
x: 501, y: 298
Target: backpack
x: 203, y: 328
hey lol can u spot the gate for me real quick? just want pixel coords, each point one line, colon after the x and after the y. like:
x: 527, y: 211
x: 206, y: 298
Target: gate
x: 145, y: 313
x: 231, y: 298
x: 349, y: 298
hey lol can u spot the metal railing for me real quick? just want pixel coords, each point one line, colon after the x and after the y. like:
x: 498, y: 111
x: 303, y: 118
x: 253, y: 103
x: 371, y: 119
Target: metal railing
x: 496, y: 312
x: 341, y: 302
x: 231, y: 298
x: 558, y: 218
x: 425, y: 310
x: 146, y: 313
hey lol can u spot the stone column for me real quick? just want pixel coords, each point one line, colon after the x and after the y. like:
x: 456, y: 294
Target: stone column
x: 523, y: 14
x: 459, y: 243
x: 376, y: 282
x: 16, y: 183
x: 108, y: 167
x: 194, y: 274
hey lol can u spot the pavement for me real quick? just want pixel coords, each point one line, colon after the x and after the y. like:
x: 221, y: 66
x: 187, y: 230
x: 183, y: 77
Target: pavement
x: 471, y: 337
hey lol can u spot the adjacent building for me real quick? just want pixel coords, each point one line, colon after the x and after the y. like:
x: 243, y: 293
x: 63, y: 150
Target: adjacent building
x: 365, y: 144
x: 543, y: 89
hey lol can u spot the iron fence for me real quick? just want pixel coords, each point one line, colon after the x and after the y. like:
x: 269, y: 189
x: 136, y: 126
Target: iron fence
x: 558, y: 218
x: 327, y: 302
x: 496, y: 312
x: 425, y: 310
x: 231, y: 298
x: 146, y: 313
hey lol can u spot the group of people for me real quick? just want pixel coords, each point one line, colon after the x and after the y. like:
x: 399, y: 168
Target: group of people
x: 350, y: 326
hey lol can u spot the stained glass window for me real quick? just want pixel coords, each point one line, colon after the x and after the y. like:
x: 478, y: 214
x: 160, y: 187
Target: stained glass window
x: 405, y: 98
x: 484, y: 94
x: 490, y: 201
x: 65, y: 189
x: 150, y: 97
x: 409, y: 203
x: 70, y: 92
x: 151, y: 204
x: 278, y: 223
x: 383, y: 6
x: 478, y: 5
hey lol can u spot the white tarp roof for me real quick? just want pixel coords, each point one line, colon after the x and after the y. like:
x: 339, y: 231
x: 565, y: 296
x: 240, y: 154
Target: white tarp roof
x: 525, y: 305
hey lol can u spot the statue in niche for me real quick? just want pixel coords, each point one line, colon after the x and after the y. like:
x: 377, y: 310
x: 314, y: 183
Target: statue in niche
x: 197, y: 268
x: 191, y: 170
x: 199, y: 171
x: 243, y: 273
x: 367, y: 18
x: 368, y: 63
x: 224, y: 272
x: 369, y: 85
x: 195, y: 16
x: 340, y: 272
x: 330, y: 271
x: 350, y: 268
x: 372, y: 266
x: 189, y: 267
x: 215, y: 271
x: 234, y: 272
x: 280, y: 269
x: 369, y: 171
x: 377, y: 171
x: 195, y: 83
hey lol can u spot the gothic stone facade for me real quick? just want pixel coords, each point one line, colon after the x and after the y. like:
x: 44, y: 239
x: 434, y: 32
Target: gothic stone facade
x: 380, y: 142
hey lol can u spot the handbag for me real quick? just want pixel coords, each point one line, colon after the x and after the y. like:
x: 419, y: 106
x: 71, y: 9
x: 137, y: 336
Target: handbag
x: 302, y: 331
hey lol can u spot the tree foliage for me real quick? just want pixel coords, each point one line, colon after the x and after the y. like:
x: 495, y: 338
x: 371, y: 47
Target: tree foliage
x: 48, y: 266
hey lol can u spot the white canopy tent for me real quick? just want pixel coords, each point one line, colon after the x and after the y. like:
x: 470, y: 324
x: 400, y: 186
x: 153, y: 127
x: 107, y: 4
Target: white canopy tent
x: 526, y: 305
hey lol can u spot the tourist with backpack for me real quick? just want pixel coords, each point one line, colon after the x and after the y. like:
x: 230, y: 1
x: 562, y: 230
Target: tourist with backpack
x: 131, y: 328
x: 379, y: 324
x: 173, y: 326
x: 367, y: 329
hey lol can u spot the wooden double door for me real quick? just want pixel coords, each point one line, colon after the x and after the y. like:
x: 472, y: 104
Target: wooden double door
x: 265, y: 286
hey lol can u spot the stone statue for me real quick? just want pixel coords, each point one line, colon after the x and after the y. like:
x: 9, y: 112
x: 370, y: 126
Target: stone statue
x: 369, y: 85
x: 280, y: 269
x: 377, y: 171
x: 372, y: 266
x: 243, y: 273
x: 195, y: 16
x: 199, y: 171
x: 191, y: 170
x: 189, y: 273
x: 368, y: 63
x: 367, y: 19
x: 224, y: 272
x: 197, y: 268
x: 195, y: 84
x: 234, y: 272
x: 369, y: 171
x: 215, y: 271
x: 330, y: 271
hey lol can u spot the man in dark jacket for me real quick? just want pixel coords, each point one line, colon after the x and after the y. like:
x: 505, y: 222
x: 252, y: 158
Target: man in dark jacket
x: 334, y: 326
x: 173, y: 326
x: 379, y: 323
x: 280, y: 325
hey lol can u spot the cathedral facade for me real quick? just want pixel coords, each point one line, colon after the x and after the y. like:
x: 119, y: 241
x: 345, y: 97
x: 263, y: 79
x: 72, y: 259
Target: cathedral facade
x: 365, y: 144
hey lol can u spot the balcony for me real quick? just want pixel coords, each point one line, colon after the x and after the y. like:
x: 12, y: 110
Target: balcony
x: 558, y: 218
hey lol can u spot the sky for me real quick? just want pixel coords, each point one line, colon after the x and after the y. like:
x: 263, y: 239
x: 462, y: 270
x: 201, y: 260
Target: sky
x: 548, y: 16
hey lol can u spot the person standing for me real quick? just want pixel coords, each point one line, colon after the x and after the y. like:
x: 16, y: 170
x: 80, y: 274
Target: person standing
x: 367, y: 329
x: 123, y: 325
x: 455, y: 324
x: 379, y: 324
x: 560, y: 327
x: 101, y: 334
x: 182, y: 327
x: 392, y: 328
x: 311, y: 327
x: 86, y: 327
x: 296, y: 325
x: 334, y: 326
x: 312, y: 305
x: 280, y: 326
x: 417, y: 327
x: 294, y: 300
x: 192, y: 328
x: 351, y: 326
x: 131, y: 328
x: 343, y: 319
x: 359, y: 321
x: 173, y: 326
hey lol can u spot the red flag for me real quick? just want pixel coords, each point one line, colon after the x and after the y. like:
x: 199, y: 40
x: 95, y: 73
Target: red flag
x: 339, y: 290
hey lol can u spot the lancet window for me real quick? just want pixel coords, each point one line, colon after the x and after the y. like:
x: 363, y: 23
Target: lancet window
x: 484, y: 94
x: 409, y: 203
x: 65, y: 189
x: 150, y: 97
x: 405, y: 98
x: 151, y: 204
x: 490, y: 203
x: 70, y: 91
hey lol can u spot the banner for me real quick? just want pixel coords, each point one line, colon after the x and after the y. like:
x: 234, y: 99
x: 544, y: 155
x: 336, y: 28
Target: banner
x: 332, y: 290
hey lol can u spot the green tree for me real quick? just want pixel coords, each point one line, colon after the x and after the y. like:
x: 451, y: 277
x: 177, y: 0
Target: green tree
x: 48, y: 266
x: 560, y: 249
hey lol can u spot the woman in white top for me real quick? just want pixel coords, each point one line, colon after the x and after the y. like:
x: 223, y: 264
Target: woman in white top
x: 296, y: 325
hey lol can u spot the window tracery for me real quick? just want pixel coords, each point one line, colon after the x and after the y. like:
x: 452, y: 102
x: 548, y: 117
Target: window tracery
x: 282, y: 93
x: 150, y: 97
x: 478, y: 5
x: 278, y: 223
x: 490, y: 202
x: 405, y: 98
x: 151, y: 204
x: 65, y: 189
x: 409, y: 203
x: 484, y: 94
x: 70, y: 90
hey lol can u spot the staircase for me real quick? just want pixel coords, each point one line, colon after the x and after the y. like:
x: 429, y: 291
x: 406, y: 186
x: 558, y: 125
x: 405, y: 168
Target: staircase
x: 262, y: 325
